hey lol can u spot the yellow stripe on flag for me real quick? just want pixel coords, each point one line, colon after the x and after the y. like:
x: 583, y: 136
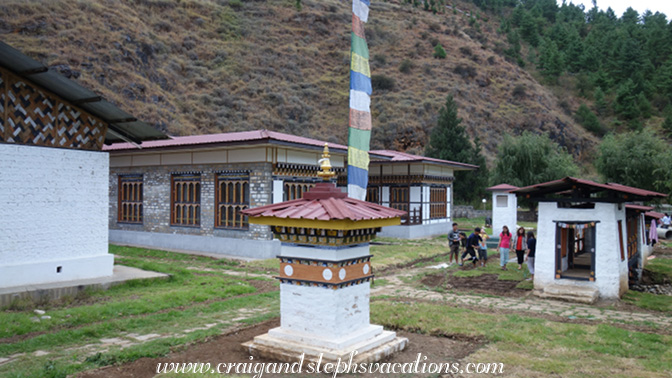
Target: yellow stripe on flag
x: 358, y: 158
x: 360, y: 64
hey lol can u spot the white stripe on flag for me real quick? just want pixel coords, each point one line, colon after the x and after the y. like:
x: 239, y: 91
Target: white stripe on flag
x: 360, y: 101
x: 360, y: 10
x: 356, y: 192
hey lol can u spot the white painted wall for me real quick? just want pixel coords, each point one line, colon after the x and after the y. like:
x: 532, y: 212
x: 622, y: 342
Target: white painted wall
x: 53, y: 213
x: 278, y: 189
x: 611, y: 274
x: 504, y: 216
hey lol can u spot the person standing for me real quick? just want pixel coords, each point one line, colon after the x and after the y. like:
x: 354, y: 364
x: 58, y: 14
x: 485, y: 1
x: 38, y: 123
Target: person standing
x: 473, y: 244
x: 454, y: 244
x: 666, y: 221
x: 529, y: 255
x: 520, y: 244
x: 483, y: 250
x: 503, y: 246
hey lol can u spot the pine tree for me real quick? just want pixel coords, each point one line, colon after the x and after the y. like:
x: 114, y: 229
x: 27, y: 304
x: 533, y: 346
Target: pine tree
x: 601, y: 105
x: 449, y: 141
x: 439, y: 51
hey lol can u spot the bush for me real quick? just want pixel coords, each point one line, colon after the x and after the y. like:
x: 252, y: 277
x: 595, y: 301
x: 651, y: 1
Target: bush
x: 465, y: 71
x: 465, y: 51
x: 381, y: 59
x: 439, y: 52
x: 382, y: 83
x: 519, y: 91
x: 406, y: 66
x: 589, y: 120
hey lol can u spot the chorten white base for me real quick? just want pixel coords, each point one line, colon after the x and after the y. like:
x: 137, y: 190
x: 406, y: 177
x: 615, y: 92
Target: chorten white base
x: 288, y: 346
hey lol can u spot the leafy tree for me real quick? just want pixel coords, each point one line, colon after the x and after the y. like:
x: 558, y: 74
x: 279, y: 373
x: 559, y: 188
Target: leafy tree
x: 531, y: 159
x: 636, y: 159
x: 449, y: 141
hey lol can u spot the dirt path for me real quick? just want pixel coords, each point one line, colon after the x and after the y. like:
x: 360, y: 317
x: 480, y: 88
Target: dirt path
x: 528, y: 304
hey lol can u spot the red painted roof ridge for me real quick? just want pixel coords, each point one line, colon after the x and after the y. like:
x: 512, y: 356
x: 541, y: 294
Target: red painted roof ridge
x: 609, y: 186
x: 405, y: 156
x: 502, y: 187
x: 242, y: 136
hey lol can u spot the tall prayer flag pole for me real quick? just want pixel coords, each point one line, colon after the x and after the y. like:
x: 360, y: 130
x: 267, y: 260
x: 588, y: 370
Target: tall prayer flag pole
x: 359, y: 131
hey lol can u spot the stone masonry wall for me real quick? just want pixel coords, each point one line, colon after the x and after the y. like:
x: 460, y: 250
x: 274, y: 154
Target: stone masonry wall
x: 156, y: 199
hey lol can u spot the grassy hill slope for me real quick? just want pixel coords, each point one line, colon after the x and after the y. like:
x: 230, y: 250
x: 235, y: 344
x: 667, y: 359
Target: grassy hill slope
x: 198, y: 66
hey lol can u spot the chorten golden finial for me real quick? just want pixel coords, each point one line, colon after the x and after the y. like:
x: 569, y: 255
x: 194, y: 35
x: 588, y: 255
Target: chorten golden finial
x: 325, y: 165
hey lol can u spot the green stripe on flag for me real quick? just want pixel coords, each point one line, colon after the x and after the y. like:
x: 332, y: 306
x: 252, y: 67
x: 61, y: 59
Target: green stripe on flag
x: 359, y: 139
x: 359, y: 46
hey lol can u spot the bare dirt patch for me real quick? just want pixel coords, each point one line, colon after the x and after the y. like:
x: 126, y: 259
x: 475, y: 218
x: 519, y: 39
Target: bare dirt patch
x: 483, y: 284
x: 226, y: 348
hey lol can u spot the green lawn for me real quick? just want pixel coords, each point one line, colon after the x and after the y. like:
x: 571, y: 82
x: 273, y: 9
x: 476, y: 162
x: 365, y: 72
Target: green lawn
x: 661, y: 269
x: 198, y: 293
x: 533, y: 347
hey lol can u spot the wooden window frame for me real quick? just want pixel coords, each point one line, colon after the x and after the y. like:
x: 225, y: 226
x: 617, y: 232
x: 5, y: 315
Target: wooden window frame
x: 130, y: 184
x: 234, y: 196
x: 373, y: 194
x: 620, y: 239
x: 292, y: 190
x: 191, y: 200
x: 438, y: 202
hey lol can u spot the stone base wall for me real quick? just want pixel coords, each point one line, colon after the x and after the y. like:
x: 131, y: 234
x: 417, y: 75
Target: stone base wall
x: 157, y: 200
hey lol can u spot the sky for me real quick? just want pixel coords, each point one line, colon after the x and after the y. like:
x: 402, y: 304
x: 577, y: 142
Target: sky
x: 619, y: 6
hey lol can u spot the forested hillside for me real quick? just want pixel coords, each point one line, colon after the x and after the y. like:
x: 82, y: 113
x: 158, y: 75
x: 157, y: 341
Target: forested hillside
x: 618, y: 65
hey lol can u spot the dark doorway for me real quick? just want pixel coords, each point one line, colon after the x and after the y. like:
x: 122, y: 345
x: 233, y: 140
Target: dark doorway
x: 575, y: 250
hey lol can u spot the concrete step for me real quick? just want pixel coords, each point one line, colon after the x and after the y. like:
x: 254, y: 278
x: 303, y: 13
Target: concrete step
x: 580, y: 294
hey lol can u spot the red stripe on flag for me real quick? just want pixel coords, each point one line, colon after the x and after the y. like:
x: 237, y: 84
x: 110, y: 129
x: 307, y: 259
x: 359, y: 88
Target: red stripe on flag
x: 360, y: 120
x: 358, y: 27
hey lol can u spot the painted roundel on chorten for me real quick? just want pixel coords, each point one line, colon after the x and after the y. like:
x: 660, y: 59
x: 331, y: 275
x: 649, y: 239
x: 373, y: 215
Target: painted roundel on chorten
x: 341, y: 274
x: 365, y: 268
x: 326, y: 274
x: 289, y: 270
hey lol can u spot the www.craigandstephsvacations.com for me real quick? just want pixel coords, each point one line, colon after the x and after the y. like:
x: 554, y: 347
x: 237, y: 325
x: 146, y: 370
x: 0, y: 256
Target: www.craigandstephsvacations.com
x: 420, y: 365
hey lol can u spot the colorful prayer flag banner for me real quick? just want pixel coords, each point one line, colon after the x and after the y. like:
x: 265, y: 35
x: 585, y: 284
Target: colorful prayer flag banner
x: 359, y: 131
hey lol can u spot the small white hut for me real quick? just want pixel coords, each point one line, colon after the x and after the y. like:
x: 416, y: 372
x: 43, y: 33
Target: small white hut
x: 585, y: 246
x: 504, y: 208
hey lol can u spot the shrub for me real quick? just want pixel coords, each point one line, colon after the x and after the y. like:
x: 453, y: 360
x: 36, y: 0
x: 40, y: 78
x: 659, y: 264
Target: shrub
x: 406, y: 66
x: 439, y: 52
x: 382, y: 83
x: 465, y: 70
x: 519, y: 91
x: 589, y: 120
x: 465, y: 50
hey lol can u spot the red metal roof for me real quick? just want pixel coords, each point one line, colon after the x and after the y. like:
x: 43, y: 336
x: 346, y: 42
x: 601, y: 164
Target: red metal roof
x: 405, y: 157
x: 566, y: 183
x: 639, y: 207
x: 325, y: 202
x: 654, y: 214
x: 502, y: 187
x: 244, y: 136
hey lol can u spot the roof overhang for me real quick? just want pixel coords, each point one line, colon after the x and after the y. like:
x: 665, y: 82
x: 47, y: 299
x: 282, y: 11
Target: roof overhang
x: 122, y: 127
x: 571, y: 189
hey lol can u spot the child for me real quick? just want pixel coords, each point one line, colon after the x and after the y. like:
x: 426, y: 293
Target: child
x: 483, y: 250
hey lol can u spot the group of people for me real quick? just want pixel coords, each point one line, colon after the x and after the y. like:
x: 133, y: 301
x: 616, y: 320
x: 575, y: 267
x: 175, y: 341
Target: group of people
x: 475, y: 246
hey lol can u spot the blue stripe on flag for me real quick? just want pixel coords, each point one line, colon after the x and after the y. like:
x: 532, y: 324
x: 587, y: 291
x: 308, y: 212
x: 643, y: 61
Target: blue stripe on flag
x: 358, y: 176
x: 367, y: 2
x: 360, y: 82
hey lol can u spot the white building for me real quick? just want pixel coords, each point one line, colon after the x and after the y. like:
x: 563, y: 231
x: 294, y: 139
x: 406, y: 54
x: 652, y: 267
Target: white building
x: 504, y: 208
x: 419, y: 185
x: 230, y: 172
x: 586, y: 249
x: 53, y: 174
